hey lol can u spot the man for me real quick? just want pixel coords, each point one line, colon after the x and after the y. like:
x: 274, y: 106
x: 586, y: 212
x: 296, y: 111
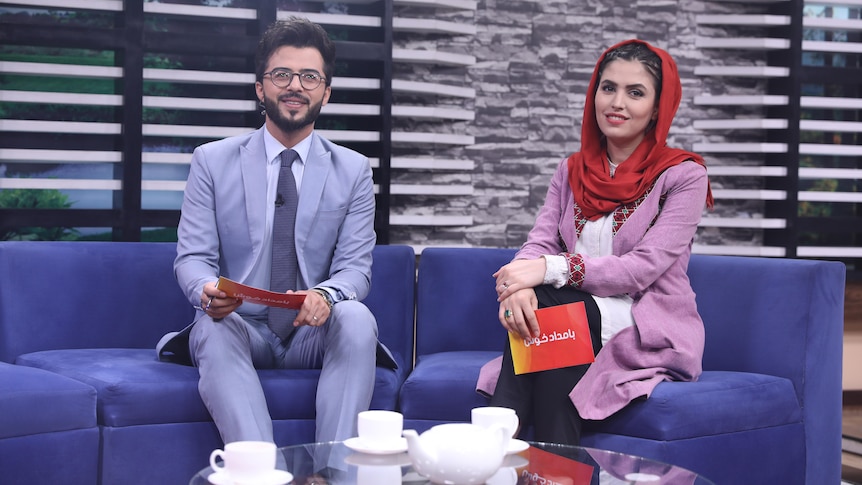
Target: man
x: 238, y: 194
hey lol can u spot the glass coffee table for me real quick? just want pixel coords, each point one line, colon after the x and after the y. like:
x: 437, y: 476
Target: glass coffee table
x: 533, y: 463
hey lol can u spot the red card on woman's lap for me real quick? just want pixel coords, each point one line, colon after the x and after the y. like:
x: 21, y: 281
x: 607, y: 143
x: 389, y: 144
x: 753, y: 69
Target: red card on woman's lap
x: 563, y: 340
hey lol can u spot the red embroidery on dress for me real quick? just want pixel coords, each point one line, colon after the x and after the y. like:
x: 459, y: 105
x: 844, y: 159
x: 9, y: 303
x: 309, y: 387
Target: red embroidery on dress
x: 620, y: 215
x: 576, y: 269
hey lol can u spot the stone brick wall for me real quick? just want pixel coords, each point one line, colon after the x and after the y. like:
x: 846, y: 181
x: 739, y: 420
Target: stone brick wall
x: 534, y: 60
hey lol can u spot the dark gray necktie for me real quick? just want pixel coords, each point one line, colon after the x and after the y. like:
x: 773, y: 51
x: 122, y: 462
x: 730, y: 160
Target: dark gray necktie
x: 284, y: 263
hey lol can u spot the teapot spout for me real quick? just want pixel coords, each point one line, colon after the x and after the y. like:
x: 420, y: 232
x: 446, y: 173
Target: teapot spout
x: 421, y: 454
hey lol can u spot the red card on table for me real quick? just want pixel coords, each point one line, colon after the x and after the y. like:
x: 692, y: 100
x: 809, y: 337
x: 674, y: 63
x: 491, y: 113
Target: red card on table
x: 548, y: 468
x: 563, y: 341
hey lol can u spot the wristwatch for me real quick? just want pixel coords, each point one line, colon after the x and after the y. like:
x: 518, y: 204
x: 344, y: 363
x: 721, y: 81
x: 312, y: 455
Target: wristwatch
x: 326, y: 296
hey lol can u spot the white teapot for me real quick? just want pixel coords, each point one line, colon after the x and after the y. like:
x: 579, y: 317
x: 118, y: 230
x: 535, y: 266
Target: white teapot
x: 457, y: 453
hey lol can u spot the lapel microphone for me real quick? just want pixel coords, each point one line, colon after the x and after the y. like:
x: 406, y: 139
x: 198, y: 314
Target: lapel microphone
x: 279, y: 200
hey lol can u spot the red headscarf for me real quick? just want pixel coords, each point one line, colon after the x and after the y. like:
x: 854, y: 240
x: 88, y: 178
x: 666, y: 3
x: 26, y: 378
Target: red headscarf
x: 594, y: 190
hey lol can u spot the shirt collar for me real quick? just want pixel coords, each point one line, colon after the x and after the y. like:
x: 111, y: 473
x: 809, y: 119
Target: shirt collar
x: 274, y: 147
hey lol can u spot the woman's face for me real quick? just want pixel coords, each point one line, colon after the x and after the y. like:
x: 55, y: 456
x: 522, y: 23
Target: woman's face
x: 625, y: 103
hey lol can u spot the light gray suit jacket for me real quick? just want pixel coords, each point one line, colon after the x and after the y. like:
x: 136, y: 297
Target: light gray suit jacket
x: 222, y: 226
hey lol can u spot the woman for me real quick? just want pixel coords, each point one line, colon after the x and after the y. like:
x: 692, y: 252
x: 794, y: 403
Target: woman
x: 615, y: 232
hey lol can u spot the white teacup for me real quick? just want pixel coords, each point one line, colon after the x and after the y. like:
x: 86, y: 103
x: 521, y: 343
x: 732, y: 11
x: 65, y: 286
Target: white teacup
x: 245, y: 461
x: 378, y: 475
x: 492, y: 415
x: 379, y: 428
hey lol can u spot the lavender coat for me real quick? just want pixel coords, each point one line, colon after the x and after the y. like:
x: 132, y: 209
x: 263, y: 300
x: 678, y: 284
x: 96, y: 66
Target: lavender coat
x: 651, y: 251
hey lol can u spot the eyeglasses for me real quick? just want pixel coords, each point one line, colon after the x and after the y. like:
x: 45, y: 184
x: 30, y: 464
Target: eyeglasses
x: 282, y: 78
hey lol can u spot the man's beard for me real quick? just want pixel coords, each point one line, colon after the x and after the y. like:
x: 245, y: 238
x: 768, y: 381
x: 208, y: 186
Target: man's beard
x: 288, y: 125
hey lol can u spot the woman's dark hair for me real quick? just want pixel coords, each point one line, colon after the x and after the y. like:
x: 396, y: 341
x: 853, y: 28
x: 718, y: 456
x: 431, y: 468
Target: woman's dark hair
x: 635, y: 51
x: 295, y: 32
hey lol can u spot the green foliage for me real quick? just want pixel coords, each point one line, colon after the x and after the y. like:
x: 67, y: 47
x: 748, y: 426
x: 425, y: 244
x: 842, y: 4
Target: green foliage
x: 35, y: 199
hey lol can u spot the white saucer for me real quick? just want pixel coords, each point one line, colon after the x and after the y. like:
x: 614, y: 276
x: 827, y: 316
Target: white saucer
x: 397, y: 446
x: 516, y: 446
x: 275, y: 477
x: 364, y: 459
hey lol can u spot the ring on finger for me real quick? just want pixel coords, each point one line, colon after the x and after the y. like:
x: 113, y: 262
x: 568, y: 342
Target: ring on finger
x: 507, y: 313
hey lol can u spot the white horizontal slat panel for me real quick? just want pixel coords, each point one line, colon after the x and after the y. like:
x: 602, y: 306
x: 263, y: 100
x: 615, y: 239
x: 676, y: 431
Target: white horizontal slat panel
x: 199, y: 104
x: 60, y: 184
x: 835, y: 126
x: 830, y: 173
x: 42, y: 97
x: 455, y: 4
x: 430, y: 220
x: 61, y: 70
x: 26, y: 155
x: 110, y: 5
x: 830, y: 150
x: 830, y: 102
x: 828, y: 23
x: 431, y: 26
x: 742, y: 71
x: 432, y: 164
x: 838, y: 47
x: 743, y: 222
x: 433, y: 138
x: 744, y: 194
x: 765, y: 251
x: 749, y: 20
x: 415, y: 87
x: 829, y: 252
x: 215, y: 132
x: 740, y: 124
x: 432, y: 57
x: 743, y: 171
x: 820, y: 196
x: 433, y: 112
x: 168, y: 185
x: 335, y: 19
x: 355, y: 83
x: 79, y: 127
x: 428, y: 189
x: 740, y: 147
x: 200, y: 11
x: 741, y: 100
x: 193, y: 131
x: 345, y: 109
x: 426, y: 164
x: 742, y: 43
x: 170, y: 158
x: 198, y: 77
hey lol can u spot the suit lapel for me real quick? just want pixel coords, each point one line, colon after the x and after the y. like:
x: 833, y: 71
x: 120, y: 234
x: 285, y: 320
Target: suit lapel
x: 253, y: 173
x: 317, y: 168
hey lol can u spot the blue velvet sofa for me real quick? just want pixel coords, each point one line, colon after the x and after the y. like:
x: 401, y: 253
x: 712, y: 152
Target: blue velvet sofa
x: 767, y: 408
x: 88, y: 402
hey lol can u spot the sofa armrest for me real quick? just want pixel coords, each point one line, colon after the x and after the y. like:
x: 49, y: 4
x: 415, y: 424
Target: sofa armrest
x: 782, y: 317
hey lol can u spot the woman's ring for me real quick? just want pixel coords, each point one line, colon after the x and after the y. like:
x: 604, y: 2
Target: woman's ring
x: 507, y: 313
x: 314, y: 317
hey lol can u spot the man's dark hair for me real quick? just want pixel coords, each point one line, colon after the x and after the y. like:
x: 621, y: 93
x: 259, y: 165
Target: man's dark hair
x: 295, y: 32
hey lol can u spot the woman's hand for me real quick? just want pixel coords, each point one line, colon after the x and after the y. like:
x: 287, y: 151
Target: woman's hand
x: 518, y: 313
x: 518, y: 275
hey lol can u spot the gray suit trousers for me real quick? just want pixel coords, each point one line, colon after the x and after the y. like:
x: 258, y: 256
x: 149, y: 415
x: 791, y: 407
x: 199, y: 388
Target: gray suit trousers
x: 227, y: 353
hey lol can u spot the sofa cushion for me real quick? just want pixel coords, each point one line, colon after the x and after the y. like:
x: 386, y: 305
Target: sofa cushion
x: 442, y: 386
x: 134, y: 388
x: 719, y: 402
x: 33, y: 401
